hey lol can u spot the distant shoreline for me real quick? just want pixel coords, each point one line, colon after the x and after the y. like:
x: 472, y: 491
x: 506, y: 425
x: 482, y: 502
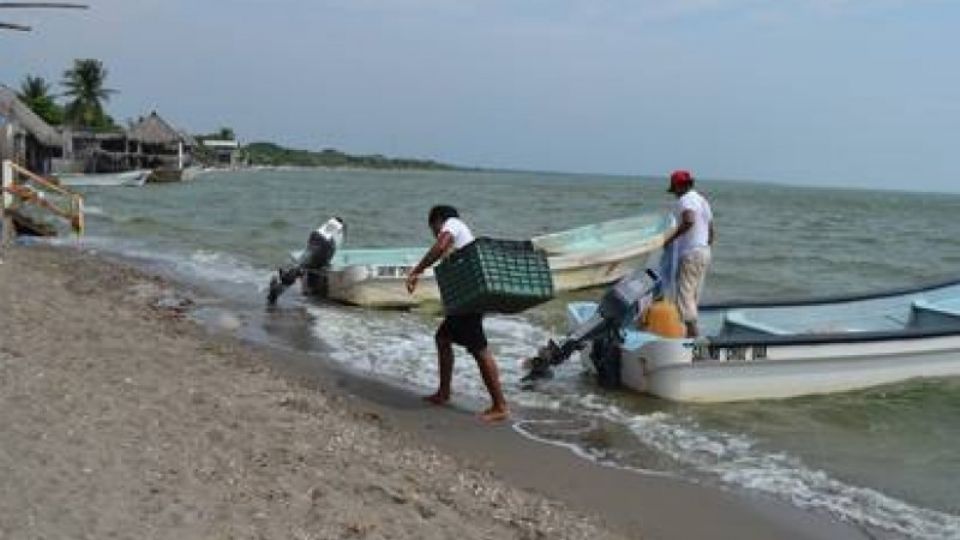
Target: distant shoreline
x: 272, y: 154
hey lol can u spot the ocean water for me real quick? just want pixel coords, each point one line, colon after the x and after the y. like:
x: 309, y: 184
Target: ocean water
x: 887, y: 459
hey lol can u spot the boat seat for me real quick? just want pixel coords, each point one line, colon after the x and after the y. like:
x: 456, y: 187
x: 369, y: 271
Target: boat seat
x: 736, y: 323
x: 926, y: 313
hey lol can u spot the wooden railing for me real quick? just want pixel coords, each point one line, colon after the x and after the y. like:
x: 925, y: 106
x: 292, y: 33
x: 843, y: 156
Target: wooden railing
x: 20, y: 186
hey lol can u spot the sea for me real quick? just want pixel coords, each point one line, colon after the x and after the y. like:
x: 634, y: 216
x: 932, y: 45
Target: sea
x: 885, y: 459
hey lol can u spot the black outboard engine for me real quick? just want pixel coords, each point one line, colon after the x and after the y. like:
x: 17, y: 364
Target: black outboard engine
x: 312, y: 264
x: 619, y: 307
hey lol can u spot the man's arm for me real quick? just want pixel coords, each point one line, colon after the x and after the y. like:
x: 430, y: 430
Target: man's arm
x: 686, y: 221
x: 441, y: 246
x: 712, y: 234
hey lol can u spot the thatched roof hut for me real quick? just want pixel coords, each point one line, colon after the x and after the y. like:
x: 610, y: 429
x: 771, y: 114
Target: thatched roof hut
x: 17, y: 112
x: 156, y: 130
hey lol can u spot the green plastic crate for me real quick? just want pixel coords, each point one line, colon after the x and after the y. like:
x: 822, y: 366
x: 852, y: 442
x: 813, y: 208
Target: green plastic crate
x: 491, y: 275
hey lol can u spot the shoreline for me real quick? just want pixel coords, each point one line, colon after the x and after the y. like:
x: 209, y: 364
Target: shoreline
x: 510, y: 484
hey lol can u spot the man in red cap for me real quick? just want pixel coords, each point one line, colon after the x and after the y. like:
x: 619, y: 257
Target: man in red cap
x: 694, y: 237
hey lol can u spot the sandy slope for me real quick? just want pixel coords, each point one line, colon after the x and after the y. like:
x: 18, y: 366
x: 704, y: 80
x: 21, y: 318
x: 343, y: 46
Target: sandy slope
x: 120, y: 419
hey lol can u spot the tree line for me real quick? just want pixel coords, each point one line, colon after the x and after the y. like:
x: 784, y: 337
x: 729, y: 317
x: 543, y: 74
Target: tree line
x: 82, y: 107
x: 266, y: 153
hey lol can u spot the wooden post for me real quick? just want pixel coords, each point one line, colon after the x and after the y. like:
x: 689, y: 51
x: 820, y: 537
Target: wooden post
x: 180, y: 155
x: 6, y: 200
x: 6, y: 173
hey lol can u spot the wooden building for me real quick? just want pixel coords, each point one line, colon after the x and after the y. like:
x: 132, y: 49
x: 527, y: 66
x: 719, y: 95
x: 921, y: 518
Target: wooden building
x: 157, y: 145
x: 24, y: 137
x: 224, y: 152
x: 86, y: 151
x: 149, y: 143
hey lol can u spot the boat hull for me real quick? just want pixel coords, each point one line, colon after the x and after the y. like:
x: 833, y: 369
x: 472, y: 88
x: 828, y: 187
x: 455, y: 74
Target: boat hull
x: 822, y: 371
x: 580, y: 258
x: 349, y: 287
x: 385, y: 287
x: 128, y: 178
x: 753, y: 366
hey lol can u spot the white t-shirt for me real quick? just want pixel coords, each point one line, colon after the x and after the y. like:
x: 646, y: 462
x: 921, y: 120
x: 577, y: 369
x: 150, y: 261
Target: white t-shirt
x: 459, y: 231
x: 698, y: 235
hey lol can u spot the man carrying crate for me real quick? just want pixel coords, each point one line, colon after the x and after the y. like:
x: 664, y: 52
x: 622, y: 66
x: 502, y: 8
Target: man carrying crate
x: 464, y: 330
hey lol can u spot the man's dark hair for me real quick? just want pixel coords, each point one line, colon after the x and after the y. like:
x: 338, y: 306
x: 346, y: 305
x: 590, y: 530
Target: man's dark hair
x: 441, y: 213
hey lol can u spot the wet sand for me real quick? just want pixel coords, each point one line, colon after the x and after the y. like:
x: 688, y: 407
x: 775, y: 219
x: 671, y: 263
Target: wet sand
x: 120, y: 417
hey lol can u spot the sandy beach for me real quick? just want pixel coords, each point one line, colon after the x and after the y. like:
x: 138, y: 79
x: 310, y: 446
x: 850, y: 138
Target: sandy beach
x: 120, y: 417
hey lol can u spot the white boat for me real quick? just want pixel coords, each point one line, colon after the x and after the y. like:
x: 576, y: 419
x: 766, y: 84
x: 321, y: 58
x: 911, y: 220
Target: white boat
x: 126, y: 178
x: 579, y: 258
x: 786, y: 349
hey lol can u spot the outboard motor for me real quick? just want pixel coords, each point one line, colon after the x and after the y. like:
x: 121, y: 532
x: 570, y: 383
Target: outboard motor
x: 311, y: 265
x: 619, y: 307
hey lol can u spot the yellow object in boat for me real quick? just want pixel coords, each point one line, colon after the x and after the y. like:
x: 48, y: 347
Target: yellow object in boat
x: 663, y: 319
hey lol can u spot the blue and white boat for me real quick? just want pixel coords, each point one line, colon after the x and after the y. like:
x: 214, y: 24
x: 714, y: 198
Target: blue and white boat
x: 579, y: 258
x: 767, y: 350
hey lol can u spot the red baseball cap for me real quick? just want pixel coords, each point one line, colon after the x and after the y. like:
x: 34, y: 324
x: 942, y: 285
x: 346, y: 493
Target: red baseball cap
x: 679, y: 179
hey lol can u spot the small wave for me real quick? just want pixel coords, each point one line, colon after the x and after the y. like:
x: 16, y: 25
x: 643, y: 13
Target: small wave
x: 140, y: 220
x: 735, y: 460
x: 400, y: 345
x: 523, y: 427
x: 221, y: 267
x: 91, y: 210
x: 209, y: 266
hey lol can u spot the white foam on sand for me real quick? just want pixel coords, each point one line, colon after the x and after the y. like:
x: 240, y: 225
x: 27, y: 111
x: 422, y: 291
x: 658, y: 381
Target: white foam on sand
x: 400, y: 346
x: 212, y: 267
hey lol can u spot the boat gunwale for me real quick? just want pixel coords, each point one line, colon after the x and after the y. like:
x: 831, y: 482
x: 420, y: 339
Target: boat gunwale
x: 600, y: 257
x: 829, y: 299
x: 822, y: 338
x: 650, y: 219
x: 834, y: 338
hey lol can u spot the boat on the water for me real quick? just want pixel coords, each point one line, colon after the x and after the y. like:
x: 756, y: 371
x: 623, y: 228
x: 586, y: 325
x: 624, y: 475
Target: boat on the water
x: 579, y: 258
x: 126, y: 178
x: 769, y: 350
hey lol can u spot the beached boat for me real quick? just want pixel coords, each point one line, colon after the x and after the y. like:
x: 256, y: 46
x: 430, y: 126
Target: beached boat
x: 126, y: 178
x: 794, y: 348
x: 579, y: 258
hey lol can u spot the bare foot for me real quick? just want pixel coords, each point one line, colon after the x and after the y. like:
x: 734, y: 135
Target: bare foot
x: 494, y: 414
x: 436, y: 398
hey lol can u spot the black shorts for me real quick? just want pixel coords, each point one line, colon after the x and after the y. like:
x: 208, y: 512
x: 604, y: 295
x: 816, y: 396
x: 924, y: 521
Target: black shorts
x: 464, y: 330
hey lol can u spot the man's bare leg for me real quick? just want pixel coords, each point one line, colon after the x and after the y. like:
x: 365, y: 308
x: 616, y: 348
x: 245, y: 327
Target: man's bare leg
x: 445, y: 367
x: 692, y: 330
x: 491, y: 378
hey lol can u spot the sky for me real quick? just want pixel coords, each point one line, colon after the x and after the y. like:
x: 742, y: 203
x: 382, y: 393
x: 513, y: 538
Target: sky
x: 853, y: 93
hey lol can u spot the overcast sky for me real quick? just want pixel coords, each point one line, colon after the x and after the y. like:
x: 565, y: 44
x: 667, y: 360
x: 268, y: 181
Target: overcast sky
x: 837, y: 92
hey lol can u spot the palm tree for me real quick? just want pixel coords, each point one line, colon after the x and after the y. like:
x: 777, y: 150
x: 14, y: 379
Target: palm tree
x: 85, y: 85
x: 35, y: 93
x: 34, y: 88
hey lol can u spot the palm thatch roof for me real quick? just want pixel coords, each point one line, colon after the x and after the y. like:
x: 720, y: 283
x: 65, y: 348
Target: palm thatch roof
x: 16, y: 111
x: 155, y: 130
